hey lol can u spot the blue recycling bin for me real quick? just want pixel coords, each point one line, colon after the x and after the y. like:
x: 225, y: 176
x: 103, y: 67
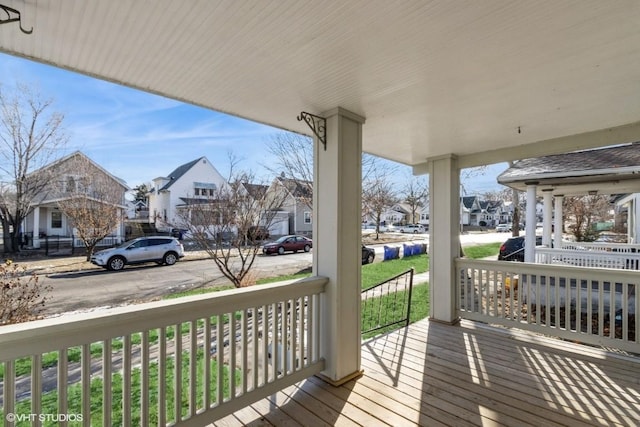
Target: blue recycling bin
x: 391, y: 252
x: 407, y: 250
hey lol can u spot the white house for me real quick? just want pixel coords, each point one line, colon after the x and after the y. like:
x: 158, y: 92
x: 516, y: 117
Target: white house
x: 184, y: 186
x: 66, y: 176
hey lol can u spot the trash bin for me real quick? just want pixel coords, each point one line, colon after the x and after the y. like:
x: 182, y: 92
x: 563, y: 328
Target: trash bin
x: 391, y: 252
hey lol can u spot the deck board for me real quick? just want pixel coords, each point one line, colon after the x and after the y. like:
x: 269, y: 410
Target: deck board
x: 465, y: 375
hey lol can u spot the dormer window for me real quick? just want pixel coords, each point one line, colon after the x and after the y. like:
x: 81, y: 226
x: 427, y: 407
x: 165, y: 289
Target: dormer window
x: 204, y: 189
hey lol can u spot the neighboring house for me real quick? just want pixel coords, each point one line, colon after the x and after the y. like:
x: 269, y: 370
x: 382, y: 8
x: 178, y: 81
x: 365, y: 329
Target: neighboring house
x: 186, y: 186
x: 397, y: 213
x: 46, y: 219
x: 483, y: 213
x: 137, y: 209
x: 297, y: 200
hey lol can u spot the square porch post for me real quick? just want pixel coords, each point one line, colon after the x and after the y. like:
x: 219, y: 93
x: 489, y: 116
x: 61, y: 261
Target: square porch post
x: 337, y: 194
x: 444, y: 236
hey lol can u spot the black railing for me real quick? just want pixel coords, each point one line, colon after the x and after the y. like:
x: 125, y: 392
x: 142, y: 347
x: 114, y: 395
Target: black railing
x: 387, y: 304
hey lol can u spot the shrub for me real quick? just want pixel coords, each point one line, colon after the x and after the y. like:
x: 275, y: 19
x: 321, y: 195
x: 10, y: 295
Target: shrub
x: 22, y: 296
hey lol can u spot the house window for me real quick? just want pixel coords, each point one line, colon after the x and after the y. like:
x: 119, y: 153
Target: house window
x: 56, y: 219
x: 204, y: 189
x: 307, y: 217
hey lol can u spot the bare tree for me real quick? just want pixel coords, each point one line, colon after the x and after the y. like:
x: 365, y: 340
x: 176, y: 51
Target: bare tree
x: 91, y: 199
x: 294, y: 159
x: 229, y: 224
x: 584, y: 211
x: 377, y: 196
x: 414, y: 193
x: 31, y: 136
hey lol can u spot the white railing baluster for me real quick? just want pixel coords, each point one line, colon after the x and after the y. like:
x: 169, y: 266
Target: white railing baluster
x: 85, y: 368
x: 255, y: 365
x: 63, y: 372
x: 162, y: 376
x: 36, y: 387
x: 193, y: 368
x: 284, y: 338
x: 295, y: 330
x: 219, y: 360
x: 266, y: 316
x: 303, y: 331
x: 177, y: 373
x: 244, y: 348
x: 107, y: 401
x: 207, y: 364
x: 9, y: 388
x: 232, y: 354
x: 144, y: 379
x: 126, y: 381
x: 624, y: 307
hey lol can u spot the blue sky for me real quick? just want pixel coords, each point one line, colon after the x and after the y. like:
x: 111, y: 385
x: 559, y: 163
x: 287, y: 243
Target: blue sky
x: 139, y: 136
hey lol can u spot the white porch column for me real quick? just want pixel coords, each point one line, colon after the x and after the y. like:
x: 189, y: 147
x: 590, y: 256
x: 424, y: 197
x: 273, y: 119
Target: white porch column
x: 558, y: 221
x: 547, y: 218
x: 636, y: 222
x: 530, y: 226
x: 337, y: 194
x: 444, y: 236
x: 36, y: 227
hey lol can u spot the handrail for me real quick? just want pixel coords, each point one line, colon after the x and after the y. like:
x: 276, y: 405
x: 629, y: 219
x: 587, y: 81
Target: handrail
x: 376, y: 315
x: 40, y: 336
x: 220, y: 352
x: 593, y: 305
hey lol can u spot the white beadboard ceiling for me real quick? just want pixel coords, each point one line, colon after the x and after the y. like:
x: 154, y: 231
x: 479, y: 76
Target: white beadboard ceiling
x: 430, y: 77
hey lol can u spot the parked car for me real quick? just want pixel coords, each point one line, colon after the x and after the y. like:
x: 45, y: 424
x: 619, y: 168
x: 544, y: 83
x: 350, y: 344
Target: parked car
x: 513, y: 249
x: 291, y: 243
x: 412, y: 228
x: 503, y: 228
x: 159, y: 249
x: 368, y: 255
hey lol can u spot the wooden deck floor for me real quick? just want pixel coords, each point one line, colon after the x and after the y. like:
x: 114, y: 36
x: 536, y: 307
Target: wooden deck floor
x: 468, y: 375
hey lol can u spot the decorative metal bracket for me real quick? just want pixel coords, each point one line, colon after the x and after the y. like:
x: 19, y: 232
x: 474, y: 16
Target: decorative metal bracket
x: 12, y: 15
x: 317, y: 124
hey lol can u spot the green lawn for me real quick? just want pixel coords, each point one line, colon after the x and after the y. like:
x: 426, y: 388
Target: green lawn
x: 482, y: 251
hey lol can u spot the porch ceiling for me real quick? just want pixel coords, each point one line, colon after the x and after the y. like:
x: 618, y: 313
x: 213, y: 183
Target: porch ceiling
x: 431, y: 77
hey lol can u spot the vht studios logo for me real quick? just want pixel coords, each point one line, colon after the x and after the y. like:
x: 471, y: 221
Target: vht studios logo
x: 52, y: 418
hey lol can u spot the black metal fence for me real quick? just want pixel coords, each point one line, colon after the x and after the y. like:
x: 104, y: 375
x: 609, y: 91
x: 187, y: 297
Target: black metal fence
x: 387, y: 304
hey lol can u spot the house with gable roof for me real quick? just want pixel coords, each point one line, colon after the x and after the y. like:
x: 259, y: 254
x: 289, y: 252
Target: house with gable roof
x: 295, y: 212
x: 67, y: 177
x: 185, y: 186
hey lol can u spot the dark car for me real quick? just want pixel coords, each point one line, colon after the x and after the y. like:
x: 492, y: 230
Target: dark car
x: 292, y: 243
x: 368, y: 255
x: 513, y: 249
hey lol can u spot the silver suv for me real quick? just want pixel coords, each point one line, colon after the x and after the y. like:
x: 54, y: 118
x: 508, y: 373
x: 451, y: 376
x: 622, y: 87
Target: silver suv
x: 159, y: 249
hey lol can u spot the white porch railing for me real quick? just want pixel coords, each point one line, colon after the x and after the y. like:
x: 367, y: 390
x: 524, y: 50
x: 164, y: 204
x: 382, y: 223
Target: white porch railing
x: 594, y: 306
x: 186, y: 361
x: 588, y: 258
x: 600, y: 246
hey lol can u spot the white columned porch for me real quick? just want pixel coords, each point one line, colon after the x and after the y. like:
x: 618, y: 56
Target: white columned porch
x: 36, y: 227
x: 558, y: 221
x: 337, y: 195
x: 547, y: 217
x: 530, y: 226
x: 444, y: 236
